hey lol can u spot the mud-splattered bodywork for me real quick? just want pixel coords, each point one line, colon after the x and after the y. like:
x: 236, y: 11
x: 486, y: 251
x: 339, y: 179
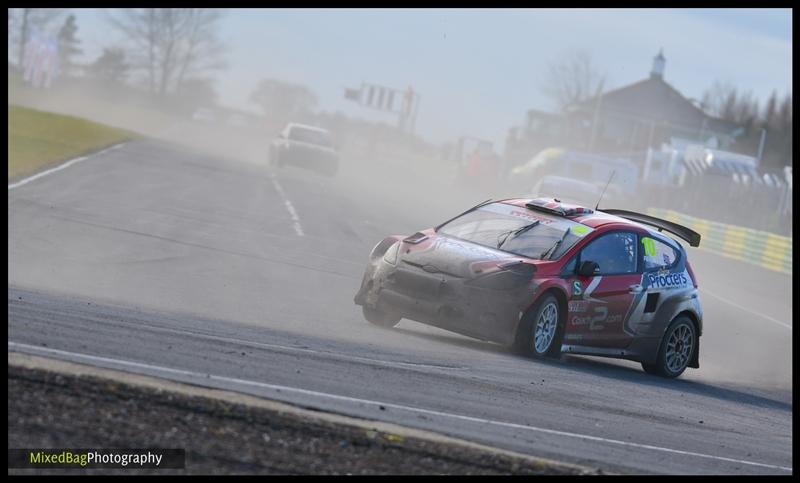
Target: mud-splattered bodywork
x: 451, y: 284
x: 484, y: 292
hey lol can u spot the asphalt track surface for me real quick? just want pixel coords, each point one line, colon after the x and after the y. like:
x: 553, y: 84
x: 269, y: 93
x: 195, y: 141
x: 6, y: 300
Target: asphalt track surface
x: 154, y: 259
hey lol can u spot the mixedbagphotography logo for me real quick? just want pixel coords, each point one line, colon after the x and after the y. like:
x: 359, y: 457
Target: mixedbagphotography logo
x: 62, y: 458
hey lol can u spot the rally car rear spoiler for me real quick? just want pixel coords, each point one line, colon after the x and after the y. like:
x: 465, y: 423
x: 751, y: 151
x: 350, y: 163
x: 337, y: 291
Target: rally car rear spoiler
x: 690, y: 236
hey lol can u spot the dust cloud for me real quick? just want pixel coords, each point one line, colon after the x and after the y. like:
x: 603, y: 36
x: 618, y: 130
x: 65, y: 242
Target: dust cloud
x: 419, y: 183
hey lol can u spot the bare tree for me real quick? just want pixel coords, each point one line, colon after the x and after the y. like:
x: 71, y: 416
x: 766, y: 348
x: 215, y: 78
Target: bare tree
x: 139, y: 26
x: 195, y: 93
x: 785, y: 112
x: 771, y: 109
x: 572, y: 78
x: 171, y: 23
x: 171, y: 43
x: 785, y: 126
x: 203, y: 49
x: 714, y: 97
x: 726, y: 101
x: 283, y: 100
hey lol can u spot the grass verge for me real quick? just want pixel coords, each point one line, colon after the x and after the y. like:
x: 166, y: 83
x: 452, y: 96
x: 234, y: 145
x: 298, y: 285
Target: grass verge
x: 38, y: 139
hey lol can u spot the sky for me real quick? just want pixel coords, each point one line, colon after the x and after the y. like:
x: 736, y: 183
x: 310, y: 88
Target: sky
x: 478, y: 71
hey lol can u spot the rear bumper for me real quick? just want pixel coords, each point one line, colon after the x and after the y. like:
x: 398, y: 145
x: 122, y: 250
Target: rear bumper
x: 308, y: 158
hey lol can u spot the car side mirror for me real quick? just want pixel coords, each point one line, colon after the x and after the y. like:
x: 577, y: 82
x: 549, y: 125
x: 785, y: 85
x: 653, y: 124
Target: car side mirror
x: 588, y: 268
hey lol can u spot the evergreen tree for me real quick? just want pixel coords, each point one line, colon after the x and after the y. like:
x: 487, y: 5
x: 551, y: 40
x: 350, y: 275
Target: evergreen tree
x: 68, y: 46
x: 111, y: 67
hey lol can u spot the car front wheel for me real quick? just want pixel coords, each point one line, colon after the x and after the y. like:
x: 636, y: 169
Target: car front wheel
x: 539, y: 334
x: 676, y: 350
x: 379, y: 317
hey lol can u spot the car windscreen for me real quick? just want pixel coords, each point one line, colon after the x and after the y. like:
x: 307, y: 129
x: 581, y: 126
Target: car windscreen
x: 311, y: 136
x: 494, y: 224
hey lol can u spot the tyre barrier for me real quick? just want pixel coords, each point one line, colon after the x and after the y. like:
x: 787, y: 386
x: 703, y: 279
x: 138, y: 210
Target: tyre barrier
x: 761, y: 248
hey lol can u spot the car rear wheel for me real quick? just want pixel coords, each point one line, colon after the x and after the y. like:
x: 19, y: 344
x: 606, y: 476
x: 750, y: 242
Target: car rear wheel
x: 539, y: 334
x: 379, y: 317
x: 676, y: 350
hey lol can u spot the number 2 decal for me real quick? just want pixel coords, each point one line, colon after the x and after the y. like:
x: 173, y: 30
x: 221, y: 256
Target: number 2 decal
x: 595, y: 323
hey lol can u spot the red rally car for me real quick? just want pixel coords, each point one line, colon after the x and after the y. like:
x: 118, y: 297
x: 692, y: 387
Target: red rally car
x: 546, y: 277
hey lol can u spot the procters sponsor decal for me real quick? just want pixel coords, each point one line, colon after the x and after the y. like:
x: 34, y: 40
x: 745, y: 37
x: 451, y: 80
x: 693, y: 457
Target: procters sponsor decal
x: 667, y: 280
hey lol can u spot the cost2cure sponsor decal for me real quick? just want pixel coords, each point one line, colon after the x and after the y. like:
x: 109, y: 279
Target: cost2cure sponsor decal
x: 598, y: 319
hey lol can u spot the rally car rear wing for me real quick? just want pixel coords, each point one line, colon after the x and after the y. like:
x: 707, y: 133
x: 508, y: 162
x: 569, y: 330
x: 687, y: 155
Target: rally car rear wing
x: 690, y: 236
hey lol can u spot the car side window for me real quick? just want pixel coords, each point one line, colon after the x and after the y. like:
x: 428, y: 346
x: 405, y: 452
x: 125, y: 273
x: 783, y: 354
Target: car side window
x: 615, y: 253
x: 570, y: 267
x: 657, y: 254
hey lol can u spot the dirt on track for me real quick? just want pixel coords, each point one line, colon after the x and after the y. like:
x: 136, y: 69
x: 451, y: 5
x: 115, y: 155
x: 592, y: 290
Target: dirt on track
x: 54, y: 410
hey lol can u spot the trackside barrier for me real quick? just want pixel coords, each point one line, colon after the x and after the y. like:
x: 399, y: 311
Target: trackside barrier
x: 761, y: 248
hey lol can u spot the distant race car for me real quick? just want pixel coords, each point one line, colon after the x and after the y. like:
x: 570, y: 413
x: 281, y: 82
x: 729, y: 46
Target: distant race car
x: 546, y: 277
x: 305, y: 146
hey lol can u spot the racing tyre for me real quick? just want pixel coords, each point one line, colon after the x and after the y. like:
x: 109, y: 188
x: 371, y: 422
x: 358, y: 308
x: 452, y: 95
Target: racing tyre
x: 676, y: 350
x: 379, y: 318
x: 539, y: 334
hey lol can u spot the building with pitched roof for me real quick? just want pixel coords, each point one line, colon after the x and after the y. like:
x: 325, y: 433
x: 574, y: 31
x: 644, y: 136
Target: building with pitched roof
x: 625, y: 121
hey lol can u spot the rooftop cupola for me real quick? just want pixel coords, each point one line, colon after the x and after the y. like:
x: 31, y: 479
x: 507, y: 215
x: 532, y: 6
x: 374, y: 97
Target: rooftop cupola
x: 658, y: 66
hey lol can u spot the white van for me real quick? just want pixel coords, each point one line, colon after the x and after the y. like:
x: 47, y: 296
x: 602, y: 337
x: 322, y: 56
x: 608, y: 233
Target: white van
x: 567, y: 190
x: 590, y: 168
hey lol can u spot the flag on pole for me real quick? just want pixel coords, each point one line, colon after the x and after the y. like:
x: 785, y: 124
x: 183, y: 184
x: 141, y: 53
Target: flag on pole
x: 352, y: 94
x: 40, y: 62
x: 408, y: 100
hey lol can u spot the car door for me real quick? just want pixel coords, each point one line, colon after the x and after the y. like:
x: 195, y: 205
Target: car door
x: 600, y: 303
x: 664, y: 273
